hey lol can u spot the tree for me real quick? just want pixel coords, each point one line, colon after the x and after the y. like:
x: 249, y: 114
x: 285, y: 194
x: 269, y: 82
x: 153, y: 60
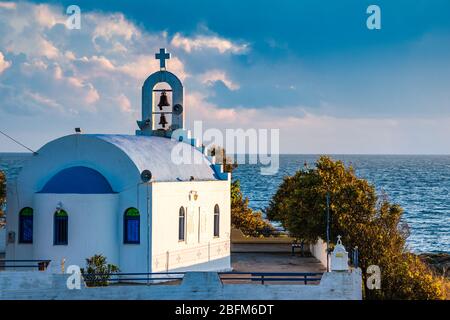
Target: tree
x: 362, y: 218
x: 251, y: 223
x: 2, y: 197
x: 98, y: 271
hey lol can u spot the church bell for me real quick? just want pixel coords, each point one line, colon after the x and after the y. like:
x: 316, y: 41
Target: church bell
x: 163, y: 101
x: 162, y: 120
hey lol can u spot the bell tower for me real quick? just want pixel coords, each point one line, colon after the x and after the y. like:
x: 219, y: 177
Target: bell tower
x: 162, y: 109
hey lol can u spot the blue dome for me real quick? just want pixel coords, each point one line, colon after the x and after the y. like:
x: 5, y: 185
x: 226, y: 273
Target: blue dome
x: 79, y: 180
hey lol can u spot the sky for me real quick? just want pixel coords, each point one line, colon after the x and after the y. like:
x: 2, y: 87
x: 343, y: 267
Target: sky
x: 310, y: 68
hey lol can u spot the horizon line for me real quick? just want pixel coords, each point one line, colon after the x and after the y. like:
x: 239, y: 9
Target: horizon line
x: 300, y: 154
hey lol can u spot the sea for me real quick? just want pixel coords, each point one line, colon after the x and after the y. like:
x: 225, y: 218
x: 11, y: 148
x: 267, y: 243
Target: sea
x: 419, y: 183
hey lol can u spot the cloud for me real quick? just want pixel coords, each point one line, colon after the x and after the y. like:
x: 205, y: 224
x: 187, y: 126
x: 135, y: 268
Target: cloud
x: 78, y: 71
x: 7, y: 5
x: 201, y: 42
x: 308, y: 133
x: 46, y: 17
x: 3, y: 63
x: 43, y: 101
x: 114, y: 26
x: 53, y: 79
x: 123, y: 103
x: 211, y: 76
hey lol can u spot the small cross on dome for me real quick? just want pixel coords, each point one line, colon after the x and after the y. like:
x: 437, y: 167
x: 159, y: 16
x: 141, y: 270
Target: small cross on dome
x: 162, y: 56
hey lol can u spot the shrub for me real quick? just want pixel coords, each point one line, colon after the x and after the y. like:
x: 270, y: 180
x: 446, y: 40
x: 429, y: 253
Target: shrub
x: 251, y: 223
x: 363, y: 218
x: 98, y: 271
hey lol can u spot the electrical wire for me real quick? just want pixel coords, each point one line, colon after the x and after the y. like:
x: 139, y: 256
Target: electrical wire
x: 20, y: 144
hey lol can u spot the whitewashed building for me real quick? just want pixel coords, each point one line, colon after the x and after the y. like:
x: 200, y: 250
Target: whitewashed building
x: 131, y: 198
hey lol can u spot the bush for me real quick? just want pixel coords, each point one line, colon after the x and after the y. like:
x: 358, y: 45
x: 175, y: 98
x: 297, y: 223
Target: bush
x: 251, y: 223
x: 363, y: 218
x: 98, y: 271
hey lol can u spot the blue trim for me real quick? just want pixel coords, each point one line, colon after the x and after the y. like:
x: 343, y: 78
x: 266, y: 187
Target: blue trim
x: 78, y: 180
x: 60, y: 230
x: 25, y: 226
x: 131, y: 227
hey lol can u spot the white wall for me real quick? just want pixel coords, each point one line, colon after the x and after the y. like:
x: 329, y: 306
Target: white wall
x: 124, y: 177
x: 200, y: 245
x: 16, y: 201
x: 92, y: 228
x: 79, y: 150
x: 319, y: 251
x: 195, y: 286
x: 135, y: 257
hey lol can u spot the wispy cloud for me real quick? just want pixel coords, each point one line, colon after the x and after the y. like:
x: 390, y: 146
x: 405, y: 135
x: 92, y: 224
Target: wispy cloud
x: 7, y: 5
x: 53, y: 79
x: 3, y: 63
x: 201, y: 42
x: 212, y: 76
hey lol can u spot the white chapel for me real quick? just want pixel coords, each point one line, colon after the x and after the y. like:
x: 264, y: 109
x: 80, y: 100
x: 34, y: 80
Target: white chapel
x: 126, y: 197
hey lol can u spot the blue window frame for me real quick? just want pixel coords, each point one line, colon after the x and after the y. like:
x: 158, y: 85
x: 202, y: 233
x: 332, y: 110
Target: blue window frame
x: 26, y: 225
x: 131, y: 226
x: 181, y: 224
x: 60, y: 228
x: 216, y: 220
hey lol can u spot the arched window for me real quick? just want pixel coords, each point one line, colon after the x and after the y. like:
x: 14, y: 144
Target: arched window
x: 181, y: 224
x: 26, y: 225
x: 60, y: 228
x: 131, y: 226
x: 216, y: 220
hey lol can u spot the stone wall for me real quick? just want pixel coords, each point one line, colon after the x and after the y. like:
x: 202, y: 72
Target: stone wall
x: 195, y: 286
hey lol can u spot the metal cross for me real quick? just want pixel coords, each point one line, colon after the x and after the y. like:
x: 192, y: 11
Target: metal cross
x: 162, y: 56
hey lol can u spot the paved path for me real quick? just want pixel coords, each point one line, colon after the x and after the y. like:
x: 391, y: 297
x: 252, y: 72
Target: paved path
x: 274, y: 262
x: 263, y: 247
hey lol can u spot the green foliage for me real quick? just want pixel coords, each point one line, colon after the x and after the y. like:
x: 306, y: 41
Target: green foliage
x: 98, y: 271
x: 363, y: 218
x: 61, y: 213
x: 2, y: 197
x: 244, y: 218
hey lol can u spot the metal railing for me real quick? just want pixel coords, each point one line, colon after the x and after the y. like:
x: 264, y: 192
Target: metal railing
x: 100, y: 279
x: 93, y: 279
x: 263, y: 277
x: 41, y: 265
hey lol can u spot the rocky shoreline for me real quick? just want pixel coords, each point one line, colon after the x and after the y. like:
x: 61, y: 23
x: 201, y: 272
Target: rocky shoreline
x: 438, y: 262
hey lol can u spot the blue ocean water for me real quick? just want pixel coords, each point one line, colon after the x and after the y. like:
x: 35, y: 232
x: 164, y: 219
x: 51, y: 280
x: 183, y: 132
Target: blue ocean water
x: 420, y: 184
